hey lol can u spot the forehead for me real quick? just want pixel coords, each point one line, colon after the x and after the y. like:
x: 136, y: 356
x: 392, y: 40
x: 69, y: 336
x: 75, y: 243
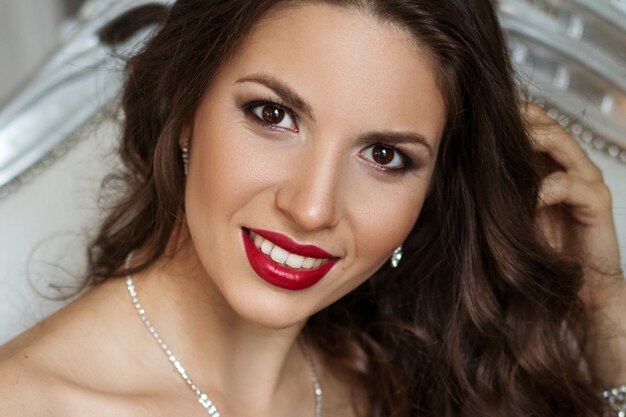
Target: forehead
x: 348, y: 66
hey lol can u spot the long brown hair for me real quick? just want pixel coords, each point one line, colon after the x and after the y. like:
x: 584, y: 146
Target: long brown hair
x: 478, y: 319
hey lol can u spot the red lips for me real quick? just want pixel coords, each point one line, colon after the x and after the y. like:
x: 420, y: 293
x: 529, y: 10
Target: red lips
x: 280, y: 275
x: 289, y: 245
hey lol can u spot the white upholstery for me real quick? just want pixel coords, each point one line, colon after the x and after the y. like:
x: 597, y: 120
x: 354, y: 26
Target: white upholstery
x: 44, y: 226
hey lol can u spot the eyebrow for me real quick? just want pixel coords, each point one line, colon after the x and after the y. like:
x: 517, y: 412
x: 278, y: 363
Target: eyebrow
x: 287, y: 94
x: 294, y: 101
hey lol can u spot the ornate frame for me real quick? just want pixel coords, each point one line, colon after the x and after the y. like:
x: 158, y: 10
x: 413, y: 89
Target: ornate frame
x: 571, y: 56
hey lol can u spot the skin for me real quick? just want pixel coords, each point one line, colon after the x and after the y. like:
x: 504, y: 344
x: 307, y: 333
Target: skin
x: 575, y: 214
x: 235, y: 333
x: 312, y: 178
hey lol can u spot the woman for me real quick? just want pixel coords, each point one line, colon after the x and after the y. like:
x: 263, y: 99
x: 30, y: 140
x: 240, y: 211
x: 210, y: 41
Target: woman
x: 277, y: 154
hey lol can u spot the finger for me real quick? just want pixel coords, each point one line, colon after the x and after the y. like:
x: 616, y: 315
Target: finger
x: 551, y: 138
x: 589, y: 202
x: 549, y: 223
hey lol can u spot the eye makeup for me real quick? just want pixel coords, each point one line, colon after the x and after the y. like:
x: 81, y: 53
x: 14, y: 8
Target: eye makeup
x: 250, y: 109
x: 407, y: 162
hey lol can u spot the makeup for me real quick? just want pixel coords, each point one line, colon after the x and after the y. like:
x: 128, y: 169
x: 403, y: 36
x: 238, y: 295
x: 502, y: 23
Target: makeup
x: 280, y: 274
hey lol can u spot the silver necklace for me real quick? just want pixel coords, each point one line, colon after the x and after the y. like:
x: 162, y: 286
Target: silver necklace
x: 203, y: 399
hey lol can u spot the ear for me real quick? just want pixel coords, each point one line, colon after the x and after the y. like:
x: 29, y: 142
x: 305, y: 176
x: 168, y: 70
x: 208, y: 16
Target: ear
x: 186, y: 133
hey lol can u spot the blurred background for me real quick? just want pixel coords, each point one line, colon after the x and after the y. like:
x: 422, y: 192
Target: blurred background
x: 49, y: 203
x: 59, y: 80
x: 29, y: 31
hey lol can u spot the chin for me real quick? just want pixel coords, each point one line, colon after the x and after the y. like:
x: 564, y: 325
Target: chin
x: 272, y: 309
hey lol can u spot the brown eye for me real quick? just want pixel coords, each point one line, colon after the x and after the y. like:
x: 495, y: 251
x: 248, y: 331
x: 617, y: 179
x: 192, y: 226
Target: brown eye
x: 385, y: 157
x: 273, y: 115
x: 382, y: 155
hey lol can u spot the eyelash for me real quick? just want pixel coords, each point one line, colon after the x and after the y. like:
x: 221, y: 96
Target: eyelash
x: 408, y: 164
x: 248, y: 107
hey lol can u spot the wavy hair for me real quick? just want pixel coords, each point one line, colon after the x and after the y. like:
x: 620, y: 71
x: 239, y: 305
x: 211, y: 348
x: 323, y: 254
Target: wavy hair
x: 480, y: 317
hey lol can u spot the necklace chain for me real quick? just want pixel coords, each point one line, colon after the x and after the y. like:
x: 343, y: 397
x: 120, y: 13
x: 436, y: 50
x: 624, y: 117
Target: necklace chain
x: 203, y: 399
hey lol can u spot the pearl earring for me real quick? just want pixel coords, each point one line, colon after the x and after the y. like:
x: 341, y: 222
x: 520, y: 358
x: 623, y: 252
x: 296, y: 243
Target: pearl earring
x: 396, y: 257
x: 185, y: 148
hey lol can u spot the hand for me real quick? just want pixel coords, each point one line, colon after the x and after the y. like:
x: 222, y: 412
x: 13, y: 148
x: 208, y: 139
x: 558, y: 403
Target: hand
x: 575, y: 214
x: 575, y: 205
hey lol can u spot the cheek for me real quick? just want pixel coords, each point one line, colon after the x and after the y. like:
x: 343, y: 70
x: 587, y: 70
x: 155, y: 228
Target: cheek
x: 227, y: 172
x: 380, y: 218
x: 384, y: 218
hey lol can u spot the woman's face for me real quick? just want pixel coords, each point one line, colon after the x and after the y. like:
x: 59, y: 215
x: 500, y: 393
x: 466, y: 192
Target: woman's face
x: 322, y: 130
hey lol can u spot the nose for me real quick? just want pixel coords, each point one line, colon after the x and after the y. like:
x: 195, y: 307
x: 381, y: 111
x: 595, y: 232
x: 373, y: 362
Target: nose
x: 309, y: 194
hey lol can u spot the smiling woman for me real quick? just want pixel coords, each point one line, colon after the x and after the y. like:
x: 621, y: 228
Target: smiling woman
x: 277, y: 154
x: 301, y: 151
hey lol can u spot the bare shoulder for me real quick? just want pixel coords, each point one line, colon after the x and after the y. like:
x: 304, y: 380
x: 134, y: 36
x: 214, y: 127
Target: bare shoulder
x: 52, y: 369
x: 28, y: 391
x: 25, y: 389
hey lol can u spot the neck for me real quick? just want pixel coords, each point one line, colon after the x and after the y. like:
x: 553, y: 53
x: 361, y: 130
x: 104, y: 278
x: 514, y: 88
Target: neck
x: 245, y: 368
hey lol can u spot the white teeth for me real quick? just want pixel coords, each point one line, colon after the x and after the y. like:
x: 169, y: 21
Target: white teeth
x: 294, y: 261
x: 281, y: 256
x: 266, y: 246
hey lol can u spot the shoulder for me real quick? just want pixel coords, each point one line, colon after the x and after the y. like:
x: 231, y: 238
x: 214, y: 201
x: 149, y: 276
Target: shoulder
x: 30, y: 388
x: 26, y: 390
x: 56, y: 368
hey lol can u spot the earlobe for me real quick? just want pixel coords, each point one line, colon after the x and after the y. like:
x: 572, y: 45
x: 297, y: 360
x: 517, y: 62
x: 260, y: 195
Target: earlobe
x: 185, y: 134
